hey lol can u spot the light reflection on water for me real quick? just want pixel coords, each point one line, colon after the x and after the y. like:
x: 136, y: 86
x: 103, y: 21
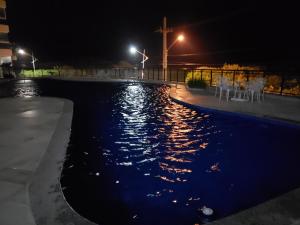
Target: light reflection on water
x: 160, y: 139
x: 173, y: 133
x: 19, y: 88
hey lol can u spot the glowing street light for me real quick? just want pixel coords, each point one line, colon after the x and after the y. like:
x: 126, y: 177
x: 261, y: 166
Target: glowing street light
x: 23, y: 52
x: 133, y: 50
x: 180, y: 38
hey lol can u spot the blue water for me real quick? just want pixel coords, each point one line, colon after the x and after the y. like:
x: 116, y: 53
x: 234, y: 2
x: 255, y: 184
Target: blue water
x: 137, y: 157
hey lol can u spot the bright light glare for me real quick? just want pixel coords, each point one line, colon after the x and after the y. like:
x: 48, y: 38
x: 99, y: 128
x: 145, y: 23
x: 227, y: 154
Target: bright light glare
x: 21, y: 51
x: 133, y: 50
x: 180, y: 37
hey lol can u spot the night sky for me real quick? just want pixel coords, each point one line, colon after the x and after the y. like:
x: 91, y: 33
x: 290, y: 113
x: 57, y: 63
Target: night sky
x: 71, y: 31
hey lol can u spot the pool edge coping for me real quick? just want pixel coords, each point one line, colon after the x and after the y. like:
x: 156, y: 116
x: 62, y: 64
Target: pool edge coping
x: 47, y: 201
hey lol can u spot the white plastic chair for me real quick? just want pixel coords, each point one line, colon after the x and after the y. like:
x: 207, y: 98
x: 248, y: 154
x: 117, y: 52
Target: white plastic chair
x: 223, y: 85
x: 237, y: 89
x: 255, y: 88
x: 218, y: 82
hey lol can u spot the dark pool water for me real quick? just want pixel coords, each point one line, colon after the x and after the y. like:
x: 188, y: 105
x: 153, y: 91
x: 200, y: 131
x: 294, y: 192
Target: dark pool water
x: 137, y: 157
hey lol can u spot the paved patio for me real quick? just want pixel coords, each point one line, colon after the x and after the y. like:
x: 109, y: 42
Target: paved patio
x: 34, y: 133
x: 274, y: 107
x: 26, y: 127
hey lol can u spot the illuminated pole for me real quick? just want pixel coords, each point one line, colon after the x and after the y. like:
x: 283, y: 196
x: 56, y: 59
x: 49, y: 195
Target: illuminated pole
x: 133, y: 50
x: 165, y: 32
x: 165, y: 48
x: 143, y: 62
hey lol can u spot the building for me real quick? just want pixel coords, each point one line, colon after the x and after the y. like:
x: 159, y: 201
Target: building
x: 5, y: 45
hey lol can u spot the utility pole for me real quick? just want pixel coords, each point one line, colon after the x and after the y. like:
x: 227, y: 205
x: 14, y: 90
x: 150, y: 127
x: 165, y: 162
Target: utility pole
x: 165, y: 30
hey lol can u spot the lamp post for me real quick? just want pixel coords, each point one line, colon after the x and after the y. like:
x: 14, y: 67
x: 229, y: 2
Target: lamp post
x: 134, y: 50
x: 22, y: 52
x: 165, y: 30
x: 179, y: 38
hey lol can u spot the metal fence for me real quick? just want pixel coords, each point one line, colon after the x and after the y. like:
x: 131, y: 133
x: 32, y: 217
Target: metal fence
x: 283, y: 83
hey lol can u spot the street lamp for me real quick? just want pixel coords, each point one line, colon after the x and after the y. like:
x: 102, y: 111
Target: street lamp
x: 165, y: 30
x: 23, y: 52
x: 180, y: 38
x: 134, y: 50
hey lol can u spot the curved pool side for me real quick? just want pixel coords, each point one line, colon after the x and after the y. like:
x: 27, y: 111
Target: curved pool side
x: 48, y: 203
x: 282, y: 210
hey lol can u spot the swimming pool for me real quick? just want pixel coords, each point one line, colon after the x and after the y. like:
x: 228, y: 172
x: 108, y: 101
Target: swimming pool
x: 137, y: 157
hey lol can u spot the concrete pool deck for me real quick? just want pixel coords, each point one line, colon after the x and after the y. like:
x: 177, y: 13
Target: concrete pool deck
x: 34, y: 134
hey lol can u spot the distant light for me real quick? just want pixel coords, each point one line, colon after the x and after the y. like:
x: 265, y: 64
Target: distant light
x: 21, y: 52
x: 180, y: 37
x: 133, y: 50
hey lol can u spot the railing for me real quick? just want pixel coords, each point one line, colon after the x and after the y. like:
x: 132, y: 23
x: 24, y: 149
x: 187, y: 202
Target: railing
x: 283, y: 83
